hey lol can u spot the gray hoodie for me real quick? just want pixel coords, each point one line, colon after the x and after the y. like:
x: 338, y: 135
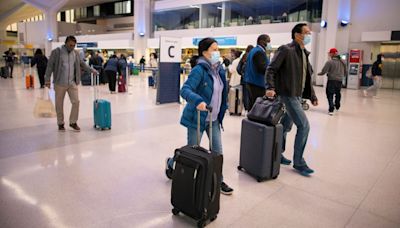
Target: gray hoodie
x: 335, y: 68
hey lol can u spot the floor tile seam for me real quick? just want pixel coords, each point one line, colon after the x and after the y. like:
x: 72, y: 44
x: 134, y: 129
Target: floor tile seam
x: 256, y: 205
x: 323, y: 197
x: 372, y: 187
x: 378, y: 215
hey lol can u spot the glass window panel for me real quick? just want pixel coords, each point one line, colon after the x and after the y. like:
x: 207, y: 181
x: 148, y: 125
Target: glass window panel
x: 176, y: 19
x: 8, y: 28
x: 40, y: 17
x: 14, y: 27
x: 72, y: 16
x: 67, y: 16
x: 58, y: 16
x: 128, y: 7
x: 96, y: 11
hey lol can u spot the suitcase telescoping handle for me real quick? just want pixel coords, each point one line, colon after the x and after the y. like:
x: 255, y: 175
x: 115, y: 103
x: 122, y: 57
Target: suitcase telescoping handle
x: 209, y: 109
x: 95, y: 78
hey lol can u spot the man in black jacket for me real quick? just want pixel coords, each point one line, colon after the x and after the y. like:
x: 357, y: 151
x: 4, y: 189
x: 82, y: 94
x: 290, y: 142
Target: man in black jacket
x: 289, y: 77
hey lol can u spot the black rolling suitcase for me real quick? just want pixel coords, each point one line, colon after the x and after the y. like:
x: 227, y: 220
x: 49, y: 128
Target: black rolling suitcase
x: 260, y: 149
x: 196, y: 182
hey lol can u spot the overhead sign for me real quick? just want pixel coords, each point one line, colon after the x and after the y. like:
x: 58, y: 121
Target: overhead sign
x: 86, y: 45
x: 170, y: 50
x: 222, y: 41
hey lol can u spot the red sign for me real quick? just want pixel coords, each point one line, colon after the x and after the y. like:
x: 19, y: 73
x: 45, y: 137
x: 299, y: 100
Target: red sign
x: 355, y: 56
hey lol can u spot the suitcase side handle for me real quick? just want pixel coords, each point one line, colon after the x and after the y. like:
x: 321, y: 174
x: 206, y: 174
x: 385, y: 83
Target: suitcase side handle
x: 214, y: 184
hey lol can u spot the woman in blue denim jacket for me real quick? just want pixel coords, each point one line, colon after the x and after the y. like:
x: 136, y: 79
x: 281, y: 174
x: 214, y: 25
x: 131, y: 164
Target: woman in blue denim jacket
x: 206, y: 85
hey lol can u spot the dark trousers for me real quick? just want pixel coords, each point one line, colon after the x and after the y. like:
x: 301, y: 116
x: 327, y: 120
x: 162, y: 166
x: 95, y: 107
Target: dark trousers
x: 254, y: 92
x: 10, y: 65
x: 245, y: 97
x: 112, y: 79
x: 333, y: 88
x: 41, y: 71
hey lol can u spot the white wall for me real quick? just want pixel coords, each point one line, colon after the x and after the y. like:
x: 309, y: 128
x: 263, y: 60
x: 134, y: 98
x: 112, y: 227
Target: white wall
x: 33, y: 32
x: 114, y: 40
x: 372, y: 16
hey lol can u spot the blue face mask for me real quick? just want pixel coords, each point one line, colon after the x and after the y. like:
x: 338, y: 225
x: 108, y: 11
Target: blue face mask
x: 214, y: 57
x: 307, y: 39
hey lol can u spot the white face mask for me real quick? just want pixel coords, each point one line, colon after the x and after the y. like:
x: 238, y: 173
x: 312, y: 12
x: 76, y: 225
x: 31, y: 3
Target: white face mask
x: 269, y: 47
x: 215, y: 55
x: 307, y: 39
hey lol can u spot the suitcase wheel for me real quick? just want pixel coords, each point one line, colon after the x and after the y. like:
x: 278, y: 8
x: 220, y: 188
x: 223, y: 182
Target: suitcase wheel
x: 213, y: 218
x: 239, y: 168
x: 259, y: 179
x: 275, y: 177
x: 201, y: 223
x: 175, y: 211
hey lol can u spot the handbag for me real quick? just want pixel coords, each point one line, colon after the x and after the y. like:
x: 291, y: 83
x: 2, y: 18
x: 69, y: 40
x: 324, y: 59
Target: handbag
x: 267, y: 110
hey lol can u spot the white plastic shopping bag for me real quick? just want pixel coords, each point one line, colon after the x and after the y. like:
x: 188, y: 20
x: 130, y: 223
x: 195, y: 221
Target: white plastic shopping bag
x: 44, y: 106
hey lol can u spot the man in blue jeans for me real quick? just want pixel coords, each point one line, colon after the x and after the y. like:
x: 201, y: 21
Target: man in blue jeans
x: 289, y: 77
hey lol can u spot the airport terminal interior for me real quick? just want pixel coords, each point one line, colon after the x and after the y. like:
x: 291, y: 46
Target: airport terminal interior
x: 116, y: 177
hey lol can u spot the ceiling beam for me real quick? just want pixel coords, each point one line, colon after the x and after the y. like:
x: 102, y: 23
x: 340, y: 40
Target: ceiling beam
x: 10, y: 12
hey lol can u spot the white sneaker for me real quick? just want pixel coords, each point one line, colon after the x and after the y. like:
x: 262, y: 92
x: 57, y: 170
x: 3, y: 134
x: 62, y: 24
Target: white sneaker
x: 330, y: 113
x: 365, y: 93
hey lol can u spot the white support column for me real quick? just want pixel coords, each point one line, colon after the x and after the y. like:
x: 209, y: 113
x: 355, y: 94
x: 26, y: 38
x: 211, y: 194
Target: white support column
x: 50, y: 9
x: 333, y: 11
x: 142, y: 14
x: 51, y: 30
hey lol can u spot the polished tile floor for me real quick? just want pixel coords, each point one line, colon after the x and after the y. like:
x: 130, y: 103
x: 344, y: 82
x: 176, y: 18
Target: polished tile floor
x: 116, y: 178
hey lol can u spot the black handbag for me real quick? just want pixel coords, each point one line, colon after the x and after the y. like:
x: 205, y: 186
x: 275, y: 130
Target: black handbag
x: 267, y: 111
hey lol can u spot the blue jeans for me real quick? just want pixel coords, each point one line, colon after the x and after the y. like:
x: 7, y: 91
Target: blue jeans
x: 295, y: 114
x: 216, y: 138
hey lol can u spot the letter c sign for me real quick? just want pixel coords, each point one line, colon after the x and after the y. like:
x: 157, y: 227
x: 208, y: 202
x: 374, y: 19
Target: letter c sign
x: 169, y: 51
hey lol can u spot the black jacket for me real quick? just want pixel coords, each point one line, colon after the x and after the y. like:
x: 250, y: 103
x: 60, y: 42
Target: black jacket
x: 40, y: 61
x: 284, y: 73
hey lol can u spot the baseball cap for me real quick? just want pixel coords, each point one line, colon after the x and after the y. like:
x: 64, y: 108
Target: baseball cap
x: 333, y: 51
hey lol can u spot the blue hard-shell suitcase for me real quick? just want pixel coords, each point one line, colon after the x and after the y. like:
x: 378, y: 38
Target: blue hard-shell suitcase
x: 101, y: 109
x: 102, y: 114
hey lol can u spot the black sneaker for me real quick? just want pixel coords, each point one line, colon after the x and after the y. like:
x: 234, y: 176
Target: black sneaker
x: 168, y: 169
x: 285, y: 161
x: 225, y: 189
x: 304, y: 170
x: 75, y: 127
x: 61, y: 127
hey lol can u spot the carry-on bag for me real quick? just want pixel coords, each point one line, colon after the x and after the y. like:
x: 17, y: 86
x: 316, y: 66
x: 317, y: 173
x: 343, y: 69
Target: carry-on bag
x: 5, y: 73
x: 101, y: 108
x: 151, y: 81
x: 235, y: 97
x: 267, y: 110
x: 121, y: 84
x: 196, y: 180
x: 29, y: 80
x: 260, y: 149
